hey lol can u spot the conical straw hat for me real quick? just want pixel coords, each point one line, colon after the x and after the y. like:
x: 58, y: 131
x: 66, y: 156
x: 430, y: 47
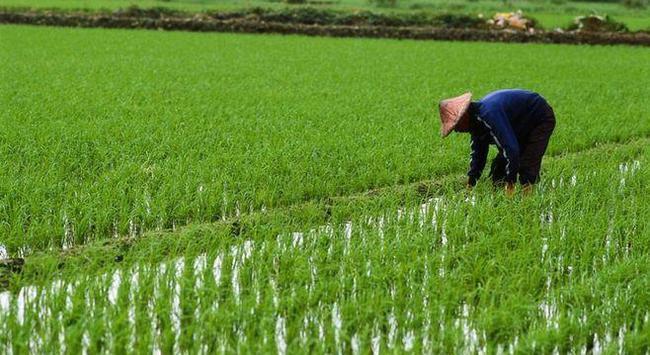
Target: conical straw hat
x: 451, y: 110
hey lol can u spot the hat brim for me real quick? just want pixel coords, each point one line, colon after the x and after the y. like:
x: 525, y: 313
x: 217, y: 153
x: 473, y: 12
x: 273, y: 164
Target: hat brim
x: 451, y: 111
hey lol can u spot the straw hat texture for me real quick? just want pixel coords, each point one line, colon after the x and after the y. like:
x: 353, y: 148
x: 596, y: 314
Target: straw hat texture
x: 451, y: 110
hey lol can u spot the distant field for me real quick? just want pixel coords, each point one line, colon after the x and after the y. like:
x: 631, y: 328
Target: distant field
x: 205, y: 192
x: 551, y: 14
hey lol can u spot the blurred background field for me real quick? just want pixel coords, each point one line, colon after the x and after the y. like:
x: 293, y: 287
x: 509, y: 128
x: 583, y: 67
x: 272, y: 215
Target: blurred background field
x: 550, y: 13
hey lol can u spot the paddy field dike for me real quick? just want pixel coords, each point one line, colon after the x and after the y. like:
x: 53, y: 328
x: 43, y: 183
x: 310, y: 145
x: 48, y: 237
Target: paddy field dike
x: 212, y: 192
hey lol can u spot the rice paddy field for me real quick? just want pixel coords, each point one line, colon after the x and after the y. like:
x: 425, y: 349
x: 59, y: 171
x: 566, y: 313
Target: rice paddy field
x: 215, y: 193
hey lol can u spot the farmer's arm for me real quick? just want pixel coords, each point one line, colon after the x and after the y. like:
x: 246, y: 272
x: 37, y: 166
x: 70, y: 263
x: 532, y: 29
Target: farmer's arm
x: 478, y: 156
x: 505, y: 138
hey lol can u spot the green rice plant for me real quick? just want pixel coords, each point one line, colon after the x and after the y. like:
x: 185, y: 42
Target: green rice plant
x: 112, y: 133
x: 562, y: 270
x: 181, y: 192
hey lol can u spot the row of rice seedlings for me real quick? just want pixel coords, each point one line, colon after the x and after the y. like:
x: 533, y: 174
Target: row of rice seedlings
x: 440, y: 276
x: 337, y: 240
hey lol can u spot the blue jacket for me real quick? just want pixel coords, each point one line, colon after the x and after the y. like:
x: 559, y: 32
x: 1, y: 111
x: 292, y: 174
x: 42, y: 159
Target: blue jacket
x: 503, y: 118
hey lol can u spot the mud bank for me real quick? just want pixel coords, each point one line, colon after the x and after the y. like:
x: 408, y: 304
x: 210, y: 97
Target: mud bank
x: 207, y: 23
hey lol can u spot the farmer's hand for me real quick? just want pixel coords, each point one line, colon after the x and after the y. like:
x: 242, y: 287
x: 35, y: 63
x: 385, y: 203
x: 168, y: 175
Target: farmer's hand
x: 510, y: 189
x: 527, y: 189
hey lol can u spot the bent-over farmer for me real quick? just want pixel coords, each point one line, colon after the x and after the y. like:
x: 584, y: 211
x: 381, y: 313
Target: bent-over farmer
x: 518, y: 122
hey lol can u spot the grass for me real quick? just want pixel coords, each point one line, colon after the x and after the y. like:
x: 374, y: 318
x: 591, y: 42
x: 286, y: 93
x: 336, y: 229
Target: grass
x: 111, y: 132
x: 221, y: 193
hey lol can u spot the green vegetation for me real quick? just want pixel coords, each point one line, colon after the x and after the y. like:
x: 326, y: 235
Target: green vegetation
x: 551, y: 13
x: 112, y: 132
x: 256, y: 193
x: 431, y: 275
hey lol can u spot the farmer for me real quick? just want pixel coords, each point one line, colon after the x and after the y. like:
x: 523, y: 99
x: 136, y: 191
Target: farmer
x: 518, y: 122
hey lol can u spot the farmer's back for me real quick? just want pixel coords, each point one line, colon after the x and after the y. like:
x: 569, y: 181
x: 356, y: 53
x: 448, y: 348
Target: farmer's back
x: 522, y: 108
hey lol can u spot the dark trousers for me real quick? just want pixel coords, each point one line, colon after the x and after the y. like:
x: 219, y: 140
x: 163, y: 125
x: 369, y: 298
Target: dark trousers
x: 532, y: 149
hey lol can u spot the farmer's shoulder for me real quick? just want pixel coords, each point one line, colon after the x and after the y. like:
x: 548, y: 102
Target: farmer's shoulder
x: 500, y: 96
